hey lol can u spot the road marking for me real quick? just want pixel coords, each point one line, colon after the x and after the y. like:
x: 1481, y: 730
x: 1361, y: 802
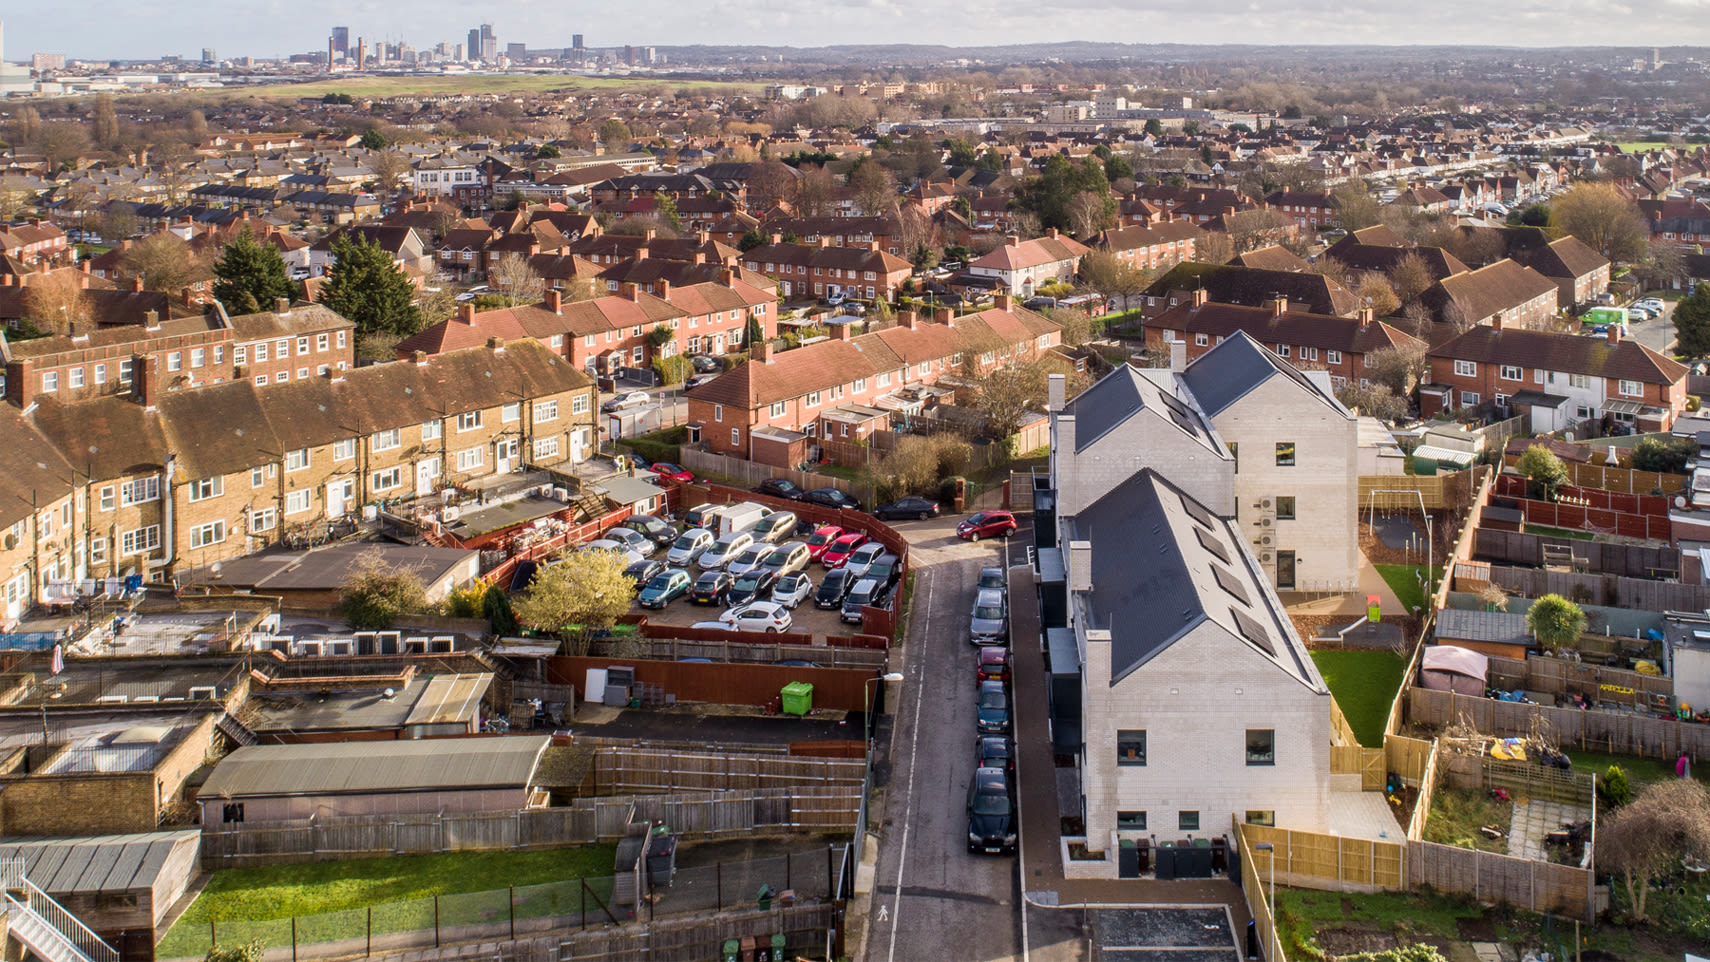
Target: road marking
x: 917, y: 665
x: 884, y: 913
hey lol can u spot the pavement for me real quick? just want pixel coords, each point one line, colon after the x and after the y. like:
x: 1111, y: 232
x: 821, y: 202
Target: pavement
x: 1352, y: 604
x: 1532, y: 819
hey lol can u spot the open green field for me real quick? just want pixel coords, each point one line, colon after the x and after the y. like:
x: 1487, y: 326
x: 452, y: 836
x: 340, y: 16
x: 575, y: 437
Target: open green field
x: 473, y: 84
x: 332, y: 900
x: 1364, y: 684
x: 1638, y: 145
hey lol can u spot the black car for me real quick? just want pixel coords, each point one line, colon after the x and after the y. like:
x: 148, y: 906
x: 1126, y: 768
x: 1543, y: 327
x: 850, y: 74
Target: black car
x: 837, y: 583
x: 780, y: 488
x: 991, y: 812
x: 910, y: 507
x: 885, y: 569
x: 655, y: 529
x: 994, y: 751
x: 643, y: 571
x: 750, y: 587
x: 831, y: 498
x: 711, y: 588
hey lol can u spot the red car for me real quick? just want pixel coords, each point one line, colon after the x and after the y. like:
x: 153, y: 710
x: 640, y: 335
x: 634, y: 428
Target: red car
x: 986, y: 524
x: 993, y: 664
x: 821, y: 539
x: 672, y: 471
x: 839, y: 551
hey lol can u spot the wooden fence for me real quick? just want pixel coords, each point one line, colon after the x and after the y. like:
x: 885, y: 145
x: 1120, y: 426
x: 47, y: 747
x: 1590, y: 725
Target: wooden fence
x: 1615, y: 733
x: 1427, y: 791
x: 1324, y: 861
x: 817, y: 808
x: 1253, y: 889
x: 1629, y: 560
x: 1392, y: 492
x: 1612, y: 591
x: 670, y: 648
x: 1592, y: 509
x: 751, y: 473
x: 629, y: 770
x: 1489, y: 877
x: 1348, y: 757
x: 1521, y: 778
x: 1608, y: 477
x: 725, y: 683
x: 1559, y: 677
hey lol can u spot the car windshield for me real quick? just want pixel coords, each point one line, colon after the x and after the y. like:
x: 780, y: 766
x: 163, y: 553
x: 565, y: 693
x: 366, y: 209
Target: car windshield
x: 988, y: 802
x: 660, y: 582
x: 821, y: 537
x: 988, y: 613
x: 991, y: 697
x: 746, y: 583
x: 687, y: 541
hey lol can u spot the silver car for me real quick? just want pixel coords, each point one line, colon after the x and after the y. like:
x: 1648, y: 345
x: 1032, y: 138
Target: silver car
x: 990, y: 618
x: 686, y: 550
x: 724, y: 550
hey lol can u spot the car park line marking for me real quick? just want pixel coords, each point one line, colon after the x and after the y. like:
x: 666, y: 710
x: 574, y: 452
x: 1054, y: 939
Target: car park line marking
x: 913, y: 752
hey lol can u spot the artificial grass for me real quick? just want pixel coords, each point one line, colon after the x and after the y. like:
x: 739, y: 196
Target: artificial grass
x: 1550, y: 532
x: 1404, y: 581
x: 1364, y: 684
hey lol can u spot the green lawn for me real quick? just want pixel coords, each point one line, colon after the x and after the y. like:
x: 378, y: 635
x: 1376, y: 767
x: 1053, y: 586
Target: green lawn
x: 1364, y: 684
x: 1301, y: 913
x: 1550, y: 532
x: 1404, y: 581
x: 1458, y: 814
x: 1638, y: 145
x: 1639, y: 770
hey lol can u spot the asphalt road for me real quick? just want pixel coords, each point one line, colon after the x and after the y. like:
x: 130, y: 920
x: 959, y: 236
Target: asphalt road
x: 1658, y: 334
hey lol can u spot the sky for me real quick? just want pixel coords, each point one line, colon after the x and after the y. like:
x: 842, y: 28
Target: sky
x: 137, y: 29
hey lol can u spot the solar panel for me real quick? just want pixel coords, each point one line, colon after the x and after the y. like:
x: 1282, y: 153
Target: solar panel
x: 1211, y: 544
x: 1253, y: 631
x: 1198, y: 512
x: 1228, y: 582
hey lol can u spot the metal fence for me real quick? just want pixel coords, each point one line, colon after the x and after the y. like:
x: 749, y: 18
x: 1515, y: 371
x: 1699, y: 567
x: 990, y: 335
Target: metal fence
x: 805, y: 878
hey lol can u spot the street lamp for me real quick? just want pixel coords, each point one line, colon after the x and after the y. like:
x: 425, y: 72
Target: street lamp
x: 867, y: 705
x: 1270, y: 851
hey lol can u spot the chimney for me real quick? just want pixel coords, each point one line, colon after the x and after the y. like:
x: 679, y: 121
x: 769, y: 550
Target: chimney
x: 146, y: 377
x: 151, y: 320
x: 661, y: 288
x: 496, y: 345
x: 1051, y: 232
x: 838, y: 332
x: 760, y: 350
x: 83, y: 266
x: 1366, y: 316
x: 1178, y: 356
x: 1012, y: 240
x: 83, y: 281
x: 1056, y: 392
x: 466, y: 313
x: 641, y: 253
x: 1198, y: 298
x: 5, y: 280
x: 554, y: 301
x: 1003, y: 302
x: 824, y: 241
x: 627, y: 291
x: 420, y: 357
x: 1614, y: 333
x: 945, y: 316
x: 647, y: 238
x: 873, y: 245
x: 1278, y: 305
x: 282, y: 305
x: 703, y: 236
x: 1656, y: 214
x: 777, y: 238
x: 906, y: 319
x: 21, y: 383
x: 727, y: 276
x: 185, y: 297
x: 136, y: 285
x: 1496, y: 321
x: 699, y: 258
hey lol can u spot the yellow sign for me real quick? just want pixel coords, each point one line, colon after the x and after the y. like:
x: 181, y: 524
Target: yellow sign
x: 1617, y: 689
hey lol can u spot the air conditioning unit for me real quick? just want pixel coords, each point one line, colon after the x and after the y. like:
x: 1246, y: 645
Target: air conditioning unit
x: 1265, y: 556
x: 1266, y: 504
x: 1265, y: 540
x: 1266, y: 522
x: 449, y: 513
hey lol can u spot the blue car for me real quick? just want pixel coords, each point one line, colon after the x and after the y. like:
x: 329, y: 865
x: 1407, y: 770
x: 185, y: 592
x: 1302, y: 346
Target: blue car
x: 663, y: 588
x: 993, y: 706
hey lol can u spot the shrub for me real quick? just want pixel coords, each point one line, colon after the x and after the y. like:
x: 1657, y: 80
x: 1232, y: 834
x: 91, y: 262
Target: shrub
x: 671, y: 370
x: 1543, y: 469
x: 376, y: 595
x: 1666, y: 455
x: 1612, y: 788
x: 1556, y: 621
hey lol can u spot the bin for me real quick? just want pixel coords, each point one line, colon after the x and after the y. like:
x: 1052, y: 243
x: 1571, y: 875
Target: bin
x: 732, y: 951
x: 778, y: 947
x: 797, y: 697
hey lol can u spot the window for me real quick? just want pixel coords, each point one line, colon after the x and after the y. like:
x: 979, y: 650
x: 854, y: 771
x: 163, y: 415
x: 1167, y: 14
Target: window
x: 261, y: 380
x: 263, y: 519
x: 1466, y: 369
x: 777, y: 409
x: 1509, y: 372
x: 736, y: 437
x: 1187, y: 821
x: 1285, y: 454
x: 240, y: 354
x: 76, y: 377
x: 469, y: 459
x: 718, y: 412
x: 344, y: 450
x: 1469, y: 399
x: 579, y: 404
x: 545, y: 411
x: 231, y: 812
x: 510, y: 412
x: 204, y: 535
x: 100, y: 374
x: 124, y: 372
x: 545, y: 448
x: 388, y: 479
x: 98, y: 550
x: 302, y: 373
x: 297, y: 460
x: 1285, y: 508
x: 1283, y: 350
x: 885, y: 379
x: 140, y: 491
x: 198, y: 357
x: 320, y: 342
x: 860, y: 385
x: 283, y: 348
x: 175, y: 361
x: 50, y: 381
x: 1578, y: 380
x: 108, y: 494
x: 302, y: 345
x: 297, y: 502
x: 1630, y: 388
x: 206, y: 488
x: 387, y: 440
x: 1333, y: 357
x: 260, y: 354
x: 1131, y: 747
x: 282, y: 377
x: 813, y: 399
x: 469, y: 420
x: 1268, y: 819
x: 431, y: 430
x: 1131, y: 821
x: 1261, y: 746
x: 140, y: 540
x: 256, y: 475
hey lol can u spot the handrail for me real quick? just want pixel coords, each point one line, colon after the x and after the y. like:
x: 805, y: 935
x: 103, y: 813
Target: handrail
x: 88, y: 944
x: 27, y: 920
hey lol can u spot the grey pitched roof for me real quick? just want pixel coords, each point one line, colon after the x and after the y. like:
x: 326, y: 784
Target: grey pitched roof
x: 354, y: 768
x: 1232, y: 369
x: 103, y: 864
x: 1162, y: 565
x: 1122, y: 394
x: 1500, y: 627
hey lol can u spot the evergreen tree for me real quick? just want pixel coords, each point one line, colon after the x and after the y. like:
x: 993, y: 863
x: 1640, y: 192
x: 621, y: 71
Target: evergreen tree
x: 372, y: 139
x: 250, y: 276
x: 1692, y: 320
x: 365, y: 286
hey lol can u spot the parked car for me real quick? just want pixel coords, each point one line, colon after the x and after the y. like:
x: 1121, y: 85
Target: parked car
x: 642, y: 572
x: 866, y: 592
x: 832, y: 588
x: 759, y: 616
x: 705, y: 364
x: 994, y: 751
x: 750, y: 587
x: 628, y: 399
x: 991, y: 812
x: 711, y: 588
x: 655, y: 529
x: 687, y: 549
x: 993, y: 578
x: 751, y: 558
x: 822, y: 539
x: 841, y: 549
x: 986, y: 524
x: 992, y: 705
x: 634, y: 539
x: 780, y: 488
x: 910, y: 507
x: 1652, y: 303
x: 863, y: 558
x: 1636, y: 314
x: 724, y: 550
x: 993, y: 664
x: 787, y: 559
x: 791, y: 589
x: 775, y: 527
x: 886, y: 569
x: 627, y: 461
x: 831, y: 498
x: 698, y: 380
x: 712, y: 626
x: 630, y: 555
x: 705, y: 516
x: 990, y: 619
x: 665, y: 587
x: 674, y: 471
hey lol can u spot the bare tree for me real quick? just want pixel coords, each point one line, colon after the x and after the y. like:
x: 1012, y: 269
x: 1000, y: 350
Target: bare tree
x: 1110, y: 277
x: 514, y: 278
x: 163, y: 261
x: 875, y: 189
x: 1667, y: 821
x: 1334, y: 269
x: 1603, y: 218
x: 391, y: 167
x: 1410, y: 277
x: 1379, y: 296
x: 770, y: 183
x: 58, y: 303
x: 1356, y: 208
x: 1400, y: 369
x: 16, y: 197
x: 1213, y: 247
x: 815, y: 192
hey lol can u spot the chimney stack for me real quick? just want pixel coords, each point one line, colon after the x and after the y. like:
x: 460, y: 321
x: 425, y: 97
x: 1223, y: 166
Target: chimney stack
x: 1056, y: 393
x: 906, y: 319
x: 641, y: 253
x: 1178, y: 356
x: 777, y: 238
x: 1614, y: 333
x: 1496, y: 321
x: 495, y: 344
x: 838, y: 332
x: 760, y: 350
x: 466, y: 313
x: 627, y: 291
x: 554, y: 301
x: 727, y: 276
x: 420, y: 357
x: 146, y: 375
x: 21, y: 382
x: 945, y: 316
x: 151, y: 320
x: 1003, y: 302
x: 1278, y: 305
x: 662, y: 288
x: 1366, y: 316
x: 136, y: 285
x: 282, y: 305
x: 1198, y: 298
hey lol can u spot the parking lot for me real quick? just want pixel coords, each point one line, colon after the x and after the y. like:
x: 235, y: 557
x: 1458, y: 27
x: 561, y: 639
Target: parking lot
x: 1175, y: 934
x: 805, y: 617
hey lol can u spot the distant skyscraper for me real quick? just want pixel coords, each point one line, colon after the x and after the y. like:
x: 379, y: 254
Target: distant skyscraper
x: 576, y: 41
x: 516, y: 51
x: 482, y: 44
x: 474, y: 47
x: 629, y: 55
x: 340, y: 39
x: 208, y: 55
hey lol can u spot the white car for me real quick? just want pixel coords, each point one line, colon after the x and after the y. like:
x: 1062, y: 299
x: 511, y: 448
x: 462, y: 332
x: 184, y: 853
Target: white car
x: 792, y: 589
x: 686, y: 550
x: 628, y: 399
x: 752, y: 558
x: 633, y: 538
x: 724, y: 550
x: 758, y: 616
x: 1651, y: 304
x: 714, y: 626
x: 630, y: 555
x: 863, y: 558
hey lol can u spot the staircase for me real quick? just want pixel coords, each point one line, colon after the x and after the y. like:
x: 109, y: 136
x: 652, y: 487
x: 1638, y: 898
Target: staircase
x: 43, y: 927
x: 589, y: 505
x: 235, y: 730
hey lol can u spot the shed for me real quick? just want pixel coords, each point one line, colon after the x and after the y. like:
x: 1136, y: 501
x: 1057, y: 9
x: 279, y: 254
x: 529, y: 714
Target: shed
x: 441, y: 775
x: 1065, y: 690
x: 1452, y: 668
x: 1497, y: 633
x: 638, y: 494
x: 121, y: 886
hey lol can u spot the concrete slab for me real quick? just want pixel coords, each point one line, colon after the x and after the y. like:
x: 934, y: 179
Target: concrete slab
x: 1532, y: 819
x: 1147, y: 933
x: 1363, y: 815
x: 1352, y: 604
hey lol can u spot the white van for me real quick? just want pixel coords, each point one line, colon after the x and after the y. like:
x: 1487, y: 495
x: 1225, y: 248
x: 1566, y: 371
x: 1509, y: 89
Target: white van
x: 741, y: 517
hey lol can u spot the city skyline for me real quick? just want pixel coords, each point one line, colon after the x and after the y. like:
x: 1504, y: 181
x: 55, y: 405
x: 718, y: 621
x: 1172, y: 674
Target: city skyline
x: 149, y: 30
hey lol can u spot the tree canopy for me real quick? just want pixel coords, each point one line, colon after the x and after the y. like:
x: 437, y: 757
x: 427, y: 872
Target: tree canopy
x: 376, y: 594
x: 366, y: 287
x: 1556, y: 621
x: 249, y: 277
x: 1692, y: 322
x: 1060, y: 196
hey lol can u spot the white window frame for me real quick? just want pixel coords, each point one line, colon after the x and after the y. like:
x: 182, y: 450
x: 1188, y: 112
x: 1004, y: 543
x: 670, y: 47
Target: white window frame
x: 471, y: 459
x: 469, y: 421
x: 139, y: 491
x: 344, y: 449
x: 140, y: 540
x: 205, y: 488
x: 209, y: 533
x: 297, y: 502
x: 388, y: 478
x: 1466, y: 369
x: 296, y: 459
x: 386, y: 440
x: 545, y: 411
x: 432, y: 430
x: 263, y: 519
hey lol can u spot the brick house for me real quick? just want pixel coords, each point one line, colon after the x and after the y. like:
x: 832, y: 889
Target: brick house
x: 820, y: 270
x: 32, y: 241
x: 1160, y: 245
x: 797, y: 390
x: 1506, y: 291
x: 1557, y: 380
x: 39, y: 516
x: 1310, y: 210
x: 1342, y: 346
x: 1022, y: 267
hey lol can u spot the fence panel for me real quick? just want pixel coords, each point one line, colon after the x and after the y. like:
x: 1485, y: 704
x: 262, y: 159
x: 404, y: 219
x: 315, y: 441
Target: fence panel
x: 1616, y: 733
x: 1489, y: 877
x: 1321, y: 861
x: 1253, y: 881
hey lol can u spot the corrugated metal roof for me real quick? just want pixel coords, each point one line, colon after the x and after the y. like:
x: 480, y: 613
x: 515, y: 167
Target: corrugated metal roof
x: 99, y: 864
x: 450, y: 698
x: 348, y: 768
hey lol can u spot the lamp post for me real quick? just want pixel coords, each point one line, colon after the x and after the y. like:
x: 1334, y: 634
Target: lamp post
x: 867, y: 707
x: 867, y: 755
x: 1270, y: 851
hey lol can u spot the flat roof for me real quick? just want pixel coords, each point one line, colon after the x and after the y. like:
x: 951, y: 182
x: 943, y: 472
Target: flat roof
x: 362, y: 768
x: 450, y: 699
x: 329, y: 567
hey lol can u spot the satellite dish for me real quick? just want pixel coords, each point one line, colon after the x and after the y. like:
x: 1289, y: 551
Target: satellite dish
x: 1680, y: 500
x: 390, y: 693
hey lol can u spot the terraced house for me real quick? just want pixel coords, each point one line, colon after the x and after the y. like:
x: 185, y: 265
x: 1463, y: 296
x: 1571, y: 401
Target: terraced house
x: 821, y: 270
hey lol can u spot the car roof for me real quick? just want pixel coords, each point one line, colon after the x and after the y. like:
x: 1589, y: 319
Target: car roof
x: 850, y: 536
x: 874, y: 582
x: 989, y: 596
x: 713, y: 574
x: 827, y: 527
x: 994, y: 652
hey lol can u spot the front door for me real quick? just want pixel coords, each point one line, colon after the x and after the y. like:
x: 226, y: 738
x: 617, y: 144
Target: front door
x: 1285, y: 571
x: 505, y: 455
x: 339, y: 496
x: 426, y: 472
x: 578, y: 445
